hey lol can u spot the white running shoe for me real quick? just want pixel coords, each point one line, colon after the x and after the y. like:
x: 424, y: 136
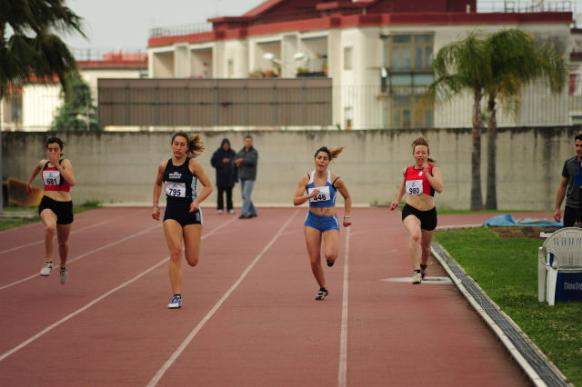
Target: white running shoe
x: 175, y: 302
x: 64, y: 274
x: 416, y: 278
x: 46, y: 269
x: 220, y: 212
x: 231, y: 212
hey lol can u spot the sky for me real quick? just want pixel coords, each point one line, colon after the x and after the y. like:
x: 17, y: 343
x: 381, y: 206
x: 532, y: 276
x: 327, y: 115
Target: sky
x: 125, y: 24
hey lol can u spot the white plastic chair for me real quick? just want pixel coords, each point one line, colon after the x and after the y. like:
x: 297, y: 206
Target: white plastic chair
x: 561, y: 252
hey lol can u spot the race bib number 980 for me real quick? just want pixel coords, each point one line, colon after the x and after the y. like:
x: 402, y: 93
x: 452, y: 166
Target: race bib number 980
x: 176, y: 190
x: 414, y: 187
x: 322, y: 195
x: 51, y: 177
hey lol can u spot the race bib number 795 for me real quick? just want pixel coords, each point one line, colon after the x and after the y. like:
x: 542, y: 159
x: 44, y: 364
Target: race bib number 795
x: 175, y: 190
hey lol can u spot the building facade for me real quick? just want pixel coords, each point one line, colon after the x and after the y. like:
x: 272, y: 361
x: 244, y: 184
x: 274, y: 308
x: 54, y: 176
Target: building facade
x: 33, y: 106
x: 377, y: 52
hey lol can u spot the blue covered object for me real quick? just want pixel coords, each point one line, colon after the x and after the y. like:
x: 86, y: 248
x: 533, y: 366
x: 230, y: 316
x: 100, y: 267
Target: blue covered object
x: 500, y: 220
x: 505, y: 220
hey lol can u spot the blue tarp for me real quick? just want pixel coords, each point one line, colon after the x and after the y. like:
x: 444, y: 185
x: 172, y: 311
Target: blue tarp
x: 505, y: 220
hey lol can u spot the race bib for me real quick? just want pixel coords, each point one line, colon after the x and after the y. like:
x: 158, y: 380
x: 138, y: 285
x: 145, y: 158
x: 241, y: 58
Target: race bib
x: 51, y: 177
x: 414, y: 187
x: 322, y: 196
x: 175, y: 190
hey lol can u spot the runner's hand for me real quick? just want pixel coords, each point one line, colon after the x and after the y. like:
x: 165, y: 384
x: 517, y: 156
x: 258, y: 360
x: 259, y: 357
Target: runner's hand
x: 557, y: 215
x: 28, y: 189
x: 393, y: 205
x: 347, y: 221
x: 313, y: 194
x: 156, y: 213
x: 194, y: 206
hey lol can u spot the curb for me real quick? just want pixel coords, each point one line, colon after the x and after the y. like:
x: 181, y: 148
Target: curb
x: 539, y: 369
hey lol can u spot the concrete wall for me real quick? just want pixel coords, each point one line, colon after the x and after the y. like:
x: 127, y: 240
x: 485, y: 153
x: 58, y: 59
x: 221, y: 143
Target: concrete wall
x: 120, y: 167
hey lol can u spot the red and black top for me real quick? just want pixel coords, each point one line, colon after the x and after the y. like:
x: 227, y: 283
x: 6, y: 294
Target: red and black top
x: 416, y: 181
x: 52, y: 179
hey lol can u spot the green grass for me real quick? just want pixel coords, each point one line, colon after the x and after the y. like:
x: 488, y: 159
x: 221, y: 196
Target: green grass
x: 506, y: 268
x: 16, y: 221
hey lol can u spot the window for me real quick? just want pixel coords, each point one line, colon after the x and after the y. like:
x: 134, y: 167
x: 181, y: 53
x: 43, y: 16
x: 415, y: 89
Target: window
x: 408, y: 52
x: 409, y: 112
x: 347, y: 58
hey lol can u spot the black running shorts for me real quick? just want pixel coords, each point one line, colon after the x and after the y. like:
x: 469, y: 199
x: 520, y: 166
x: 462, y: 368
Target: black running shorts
x: 428, y: 219
x: 180, y: 212
x: 63, y: 210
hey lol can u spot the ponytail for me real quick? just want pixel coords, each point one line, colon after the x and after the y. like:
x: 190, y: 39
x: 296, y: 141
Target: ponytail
x: 332, y: 152
x: 195, y: 145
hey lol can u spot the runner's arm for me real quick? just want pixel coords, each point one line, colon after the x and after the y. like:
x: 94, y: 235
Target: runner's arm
x: 300, y: 196
x: 198, y: 171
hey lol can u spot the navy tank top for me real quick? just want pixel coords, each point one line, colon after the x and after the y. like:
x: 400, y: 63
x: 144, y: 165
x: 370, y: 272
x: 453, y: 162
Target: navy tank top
x: 179, y: 182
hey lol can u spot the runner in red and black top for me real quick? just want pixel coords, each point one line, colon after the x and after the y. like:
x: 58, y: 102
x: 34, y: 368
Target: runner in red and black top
x: 419, y: 215
x: 179, y: 177
x: 56, y: 206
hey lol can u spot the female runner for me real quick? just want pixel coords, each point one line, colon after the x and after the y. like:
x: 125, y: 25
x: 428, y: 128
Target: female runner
x: 319, y: 187
x: 179, y: 177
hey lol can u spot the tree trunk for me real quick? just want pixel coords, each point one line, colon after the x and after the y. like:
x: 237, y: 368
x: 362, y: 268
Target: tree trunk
x: 476, y: 196
x: 491, y: 200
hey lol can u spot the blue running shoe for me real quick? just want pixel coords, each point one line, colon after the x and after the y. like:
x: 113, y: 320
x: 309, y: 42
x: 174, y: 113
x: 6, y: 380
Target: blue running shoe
x: 175, y: 302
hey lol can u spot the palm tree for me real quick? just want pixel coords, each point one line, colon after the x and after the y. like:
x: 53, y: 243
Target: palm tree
x: 516, y: 60
x: 29, y: 46
x: 460, y: 66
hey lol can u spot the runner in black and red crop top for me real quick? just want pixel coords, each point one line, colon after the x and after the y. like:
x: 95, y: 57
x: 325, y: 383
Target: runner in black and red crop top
x: 179, y: 177
x: 56, y: 206
x: 420, y: 182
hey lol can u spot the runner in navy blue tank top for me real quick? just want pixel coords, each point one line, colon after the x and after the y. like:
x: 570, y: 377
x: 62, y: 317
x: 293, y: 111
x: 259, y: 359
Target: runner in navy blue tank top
x: 319, y: 187
x: 179, y: 177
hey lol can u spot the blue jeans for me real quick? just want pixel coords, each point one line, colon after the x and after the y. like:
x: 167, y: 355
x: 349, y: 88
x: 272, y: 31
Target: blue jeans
x: 246, y: 187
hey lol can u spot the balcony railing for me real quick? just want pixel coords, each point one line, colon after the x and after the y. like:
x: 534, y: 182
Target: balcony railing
x: 529, y: 6
x: 183, y: 29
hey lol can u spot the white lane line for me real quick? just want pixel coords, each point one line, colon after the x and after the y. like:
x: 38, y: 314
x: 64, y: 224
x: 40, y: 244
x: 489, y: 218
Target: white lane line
x: 42, y: 240
x: 154, y: 381
x: 72, y: 232
x: 343, y: 353
x: 46, y: 330
x: 84, y: 255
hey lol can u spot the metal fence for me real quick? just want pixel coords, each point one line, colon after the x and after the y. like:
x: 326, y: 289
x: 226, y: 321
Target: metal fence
x: 310, y: 103
x: 517, y: 6
x: 215, y: 102
x: 182, y: 29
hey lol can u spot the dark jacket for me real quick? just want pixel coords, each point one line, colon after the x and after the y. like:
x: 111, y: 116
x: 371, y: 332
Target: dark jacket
x: 226, y: 174
x: 248, y: 169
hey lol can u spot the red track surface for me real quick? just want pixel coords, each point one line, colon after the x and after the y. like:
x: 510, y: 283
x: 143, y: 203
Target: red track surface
x: 248, y: 308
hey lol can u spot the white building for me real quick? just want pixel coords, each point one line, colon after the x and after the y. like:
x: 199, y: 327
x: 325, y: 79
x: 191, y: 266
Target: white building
x: 34, y: 105
x: 378, y: 53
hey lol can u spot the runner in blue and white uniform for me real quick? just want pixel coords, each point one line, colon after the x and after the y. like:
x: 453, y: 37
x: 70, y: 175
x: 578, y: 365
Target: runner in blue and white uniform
x: 179, y: 177
x: 320, y: 187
